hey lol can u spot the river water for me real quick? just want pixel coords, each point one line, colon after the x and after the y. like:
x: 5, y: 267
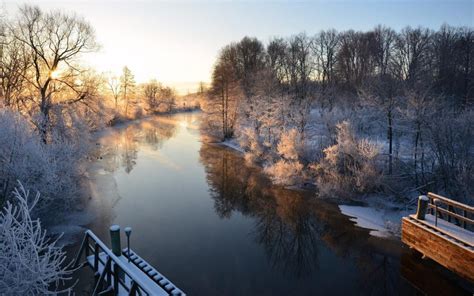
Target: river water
x: 215, y: 226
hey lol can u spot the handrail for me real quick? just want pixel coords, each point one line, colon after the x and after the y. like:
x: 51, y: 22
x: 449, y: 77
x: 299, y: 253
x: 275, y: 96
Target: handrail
x: 448, y: 201
x: 118, y: 262
x: 450, y: 211
x: 137, y: 282
x: 452, y: 214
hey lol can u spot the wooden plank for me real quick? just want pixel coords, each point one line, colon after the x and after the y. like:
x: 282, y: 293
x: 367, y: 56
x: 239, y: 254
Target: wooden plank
x: 428, y: 280
x: 152, y: 273
x: 450, y: 229
x: 446, y: 252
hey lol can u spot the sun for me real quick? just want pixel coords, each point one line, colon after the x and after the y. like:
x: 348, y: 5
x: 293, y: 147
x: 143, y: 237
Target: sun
x: 54, y: 74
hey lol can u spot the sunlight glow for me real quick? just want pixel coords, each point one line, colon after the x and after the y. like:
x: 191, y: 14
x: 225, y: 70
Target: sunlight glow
x: 54, y: 74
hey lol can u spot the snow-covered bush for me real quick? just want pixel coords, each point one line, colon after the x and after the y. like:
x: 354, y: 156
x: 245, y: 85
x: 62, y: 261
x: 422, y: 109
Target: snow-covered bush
x: 30, y: 262
x: 288, y: 169
x: 251, y: 142
x: 53, y: 169
x: 288, y: 145
x: 285, y: 172
x: 349, y: 166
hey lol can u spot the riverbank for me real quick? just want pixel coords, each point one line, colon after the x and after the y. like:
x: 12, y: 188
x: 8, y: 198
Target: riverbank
x: 377, y: 213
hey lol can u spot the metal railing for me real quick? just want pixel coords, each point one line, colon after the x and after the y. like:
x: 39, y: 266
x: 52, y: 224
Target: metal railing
x: 114, y: 273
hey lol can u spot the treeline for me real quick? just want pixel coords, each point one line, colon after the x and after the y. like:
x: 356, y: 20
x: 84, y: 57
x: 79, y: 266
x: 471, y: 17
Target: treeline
x: 353, y: 112
x: 131, y: 100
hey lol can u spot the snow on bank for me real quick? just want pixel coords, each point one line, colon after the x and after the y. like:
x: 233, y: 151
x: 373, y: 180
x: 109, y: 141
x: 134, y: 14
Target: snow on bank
x: 232, y: 143
x: 382, y: 222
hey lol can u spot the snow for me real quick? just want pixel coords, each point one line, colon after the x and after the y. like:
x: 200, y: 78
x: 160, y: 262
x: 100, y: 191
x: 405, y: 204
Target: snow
x: 144, y: 280
x: 382, y: 222
x: 114, y: 228
x: 233, y: 145
x: 451, y: 229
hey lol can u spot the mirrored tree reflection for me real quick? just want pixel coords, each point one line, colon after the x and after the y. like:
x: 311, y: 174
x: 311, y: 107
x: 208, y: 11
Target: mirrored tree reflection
x: 293, y: 227
x: 284, y: 226
x: 288, y: 232
x: 129, y: 150
x: 120, y: 147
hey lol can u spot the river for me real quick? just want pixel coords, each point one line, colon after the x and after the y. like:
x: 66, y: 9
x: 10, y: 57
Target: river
x: 215, y: 226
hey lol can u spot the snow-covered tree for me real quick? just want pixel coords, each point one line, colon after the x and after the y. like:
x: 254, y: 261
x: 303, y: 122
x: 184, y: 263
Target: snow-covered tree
x: 349, y: 166
x: 54, y: 169
x: 30, y: 262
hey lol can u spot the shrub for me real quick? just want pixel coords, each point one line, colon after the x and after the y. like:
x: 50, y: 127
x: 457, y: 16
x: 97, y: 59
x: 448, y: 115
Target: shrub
x: 287, y: 170
x: 250, y: 141
x: 349, y: 166
x: 30, y: 263
x: 54, y: 169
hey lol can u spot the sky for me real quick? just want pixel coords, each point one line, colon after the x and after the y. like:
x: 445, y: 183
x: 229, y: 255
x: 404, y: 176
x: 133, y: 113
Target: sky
x: 177, y: 42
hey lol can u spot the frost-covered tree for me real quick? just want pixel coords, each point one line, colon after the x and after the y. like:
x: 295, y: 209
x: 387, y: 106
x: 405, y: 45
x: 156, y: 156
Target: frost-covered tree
x: 30, y: 262
x: 53, y: 41
x: 251, y: 142
x: 390, y: 85
x: 54, y: 169
x: 349, y: 166
x: 127, y: 88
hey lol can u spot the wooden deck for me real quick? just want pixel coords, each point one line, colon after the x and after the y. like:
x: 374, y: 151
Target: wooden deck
x: 446, y: 241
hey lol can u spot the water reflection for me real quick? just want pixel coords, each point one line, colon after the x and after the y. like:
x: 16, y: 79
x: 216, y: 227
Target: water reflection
x: 120, y: 146
x: 284, y: 225
x: 296, y: 230
x: 215, y: 226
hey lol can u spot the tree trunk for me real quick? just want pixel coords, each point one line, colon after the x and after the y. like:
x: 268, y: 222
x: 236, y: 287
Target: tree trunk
x: 390, y: 142
x: 415, y: 165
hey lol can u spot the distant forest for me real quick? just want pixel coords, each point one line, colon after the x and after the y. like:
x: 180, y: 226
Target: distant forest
x: 352, y: 112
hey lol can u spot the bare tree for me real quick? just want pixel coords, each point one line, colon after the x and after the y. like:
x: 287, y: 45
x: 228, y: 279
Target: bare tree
x: 225, y: 90
x: 14, y: 62
x: 113, y: 84
x: 151, y: 90
x: 127, y: 85
x: 465, y: 54
x: 277, y: 59
x: 412, y: 54
x: 54, y: 41
x: 325, y: 47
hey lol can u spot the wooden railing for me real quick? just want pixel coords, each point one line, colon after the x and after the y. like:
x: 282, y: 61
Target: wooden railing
x: 114, y: 268
x: 449, y: 210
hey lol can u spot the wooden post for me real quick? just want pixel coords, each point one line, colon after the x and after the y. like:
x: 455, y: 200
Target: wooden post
x: 115, y: 240
x: 99, y: 284
x: 451, y: 210
x: 87, y: 246
x: 133, y: 289
x: 422, y: 206
x: 96, y: 258
x: 116, y: 279
x: 128, y: 232
x: 436, y: 202
x: 464, y: 213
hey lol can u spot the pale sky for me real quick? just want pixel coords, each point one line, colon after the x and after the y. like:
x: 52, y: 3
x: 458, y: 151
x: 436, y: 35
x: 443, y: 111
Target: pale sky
x: 177, y: 42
